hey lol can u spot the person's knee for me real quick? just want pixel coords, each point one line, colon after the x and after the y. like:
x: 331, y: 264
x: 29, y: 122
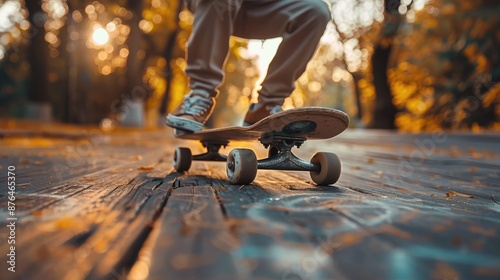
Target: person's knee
x: 319, y: 10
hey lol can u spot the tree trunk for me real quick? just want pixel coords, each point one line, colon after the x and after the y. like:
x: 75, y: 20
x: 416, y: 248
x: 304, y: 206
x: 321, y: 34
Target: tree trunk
x: 65, y: 49
x: 132, y: 103
x: 168, y: 55
x: 79, y: 75
x: 38, y: 54
x: 356, y: 77
x: 134, y: 85
x: 385, y: 112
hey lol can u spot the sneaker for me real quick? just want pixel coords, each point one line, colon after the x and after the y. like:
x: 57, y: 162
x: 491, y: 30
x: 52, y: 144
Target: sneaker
x: 257, y: 112
x: 193, y: 113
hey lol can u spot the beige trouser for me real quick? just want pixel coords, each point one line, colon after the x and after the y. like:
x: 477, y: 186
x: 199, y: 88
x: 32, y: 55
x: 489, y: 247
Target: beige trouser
x: 301, y: 23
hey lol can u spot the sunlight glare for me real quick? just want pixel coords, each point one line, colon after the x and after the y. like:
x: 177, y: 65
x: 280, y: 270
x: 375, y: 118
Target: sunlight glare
x: 9, y: 15
x: 264, y: 51
x: 100, y: 36
x: 57, y: 8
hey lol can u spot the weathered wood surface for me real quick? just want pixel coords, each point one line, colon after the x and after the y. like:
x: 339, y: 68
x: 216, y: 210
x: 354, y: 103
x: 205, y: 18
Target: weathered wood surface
x: 110, y: 206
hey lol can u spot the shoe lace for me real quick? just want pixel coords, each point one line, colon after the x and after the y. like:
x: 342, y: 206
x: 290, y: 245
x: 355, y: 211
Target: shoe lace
x: 196, y: 105
x: 274, y: 109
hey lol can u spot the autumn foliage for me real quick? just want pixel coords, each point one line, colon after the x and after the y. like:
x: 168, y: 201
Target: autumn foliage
x: 443, y: 69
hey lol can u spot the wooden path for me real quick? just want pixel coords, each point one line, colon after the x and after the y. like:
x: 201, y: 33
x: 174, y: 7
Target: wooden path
x: 110, y: 206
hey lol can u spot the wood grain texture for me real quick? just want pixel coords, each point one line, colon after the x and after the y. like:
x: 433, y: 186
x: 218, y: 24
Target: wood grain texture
x: 406, y: 207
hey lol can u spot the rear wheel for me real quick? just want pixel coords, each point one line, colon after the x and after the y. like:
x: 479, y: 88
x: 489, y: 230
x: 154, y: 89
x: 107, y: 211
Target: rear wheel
x: 241, y: 167
x: 330, y: 168
x: 182, y: 159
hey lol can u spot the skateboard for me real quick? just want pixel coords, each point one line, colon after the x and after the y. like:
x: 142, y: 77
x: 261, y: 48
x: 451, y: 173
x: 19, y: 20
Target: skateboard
x: 278, y: 133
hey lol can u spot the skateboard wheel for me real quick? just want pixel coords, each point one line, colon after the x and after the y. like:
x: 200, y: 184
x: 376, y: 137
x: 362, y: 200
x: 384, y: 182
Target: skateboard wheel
x: 182, y: 159
x: 330, y: 168
x: 241, y: 166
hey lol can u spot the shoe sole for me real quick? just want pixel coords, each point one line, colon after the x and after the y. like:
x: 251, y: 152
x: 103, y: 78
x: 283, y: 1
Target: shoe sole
x: 180, y: 132
x: 183, y: 123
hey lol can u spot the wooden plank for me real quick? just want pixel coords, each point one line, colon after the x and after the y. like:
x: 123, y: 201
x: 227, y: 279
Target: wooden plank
x: 74, y: 182
x: 134, y: 230
x: 272, y: 244
x: 193, y: 240
x: 436, y: 220
x: 375, y: 229
x: 41, y: 133
x: 394, y: 235
x: 102, y: 223
x: 424, y: 252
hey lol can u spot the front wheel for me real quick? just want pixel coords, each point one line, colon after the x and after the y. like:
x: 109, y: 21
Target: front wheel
x: 241, y: 166
x: 330, y: 168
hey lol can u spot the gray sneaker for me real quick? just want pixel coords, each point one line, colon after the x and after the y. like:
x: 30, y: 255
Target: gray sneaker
x: 257, y: 112
x: 193, y: 112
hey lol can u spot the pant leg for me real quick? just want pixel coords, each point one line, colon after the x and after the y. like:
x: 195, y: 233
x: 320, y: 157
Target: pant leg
x: 301, y: 23
x: 209, y: 42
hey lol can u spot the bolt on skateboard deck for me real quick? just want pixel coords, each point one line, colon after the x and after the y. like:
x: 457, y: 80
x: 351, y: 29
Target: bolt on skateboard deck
x: 278, y: 133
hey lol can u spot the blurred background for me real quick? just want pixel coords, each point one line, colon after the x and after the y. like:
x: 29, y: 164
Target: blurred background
x: 420, y: 65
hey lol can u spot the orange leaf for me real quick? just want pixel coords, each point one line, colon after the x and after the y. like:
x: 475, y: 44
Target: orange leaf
x: 146, y: 168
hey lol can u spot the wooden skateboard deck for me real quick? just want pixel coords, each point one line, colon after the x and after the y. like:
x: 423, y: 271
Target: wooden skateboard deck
x: 279, y: 133
x: 309, y: 122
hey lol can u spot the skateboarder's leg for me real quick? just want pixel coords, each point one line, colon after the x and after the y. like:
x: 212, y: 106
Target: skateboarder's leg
x: 206, y: 53
x: 208, y: 44
x: 306, y: 25
x: 301, y: 23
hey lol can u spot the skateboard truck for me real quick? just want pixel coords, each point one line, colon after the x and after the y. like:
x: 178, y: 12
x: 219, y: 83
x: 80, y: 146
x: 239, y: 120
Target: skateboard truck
x: 183, y: 156
x: 280, y: 155
x: 242, y: 164
x: 212, y: 153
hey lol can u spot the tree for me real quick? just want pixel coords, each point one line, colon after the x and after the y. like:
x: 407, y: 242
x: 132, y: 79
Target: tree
x: 384, y: 115
x: 79, y: 75
x: 38, y: 54
x: 447, y: 69
x: 134, y: 70
x: 168, y: 54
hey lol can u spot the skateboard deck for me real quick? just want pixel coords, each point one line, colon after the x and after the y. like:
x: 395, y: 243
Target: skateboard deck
x: 279, y: 133
x: 309, y: 122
